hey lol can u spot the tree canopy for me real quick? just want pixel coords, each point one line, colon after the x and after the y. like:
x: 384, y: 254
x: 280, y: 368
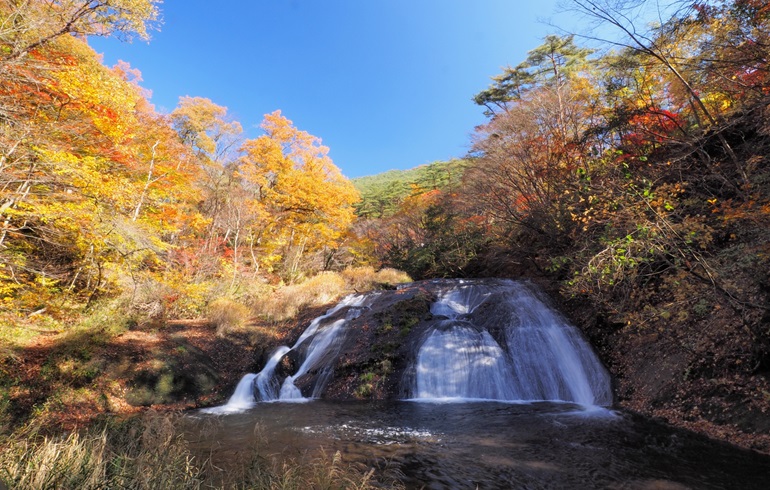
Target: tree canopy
x: 101, y: 194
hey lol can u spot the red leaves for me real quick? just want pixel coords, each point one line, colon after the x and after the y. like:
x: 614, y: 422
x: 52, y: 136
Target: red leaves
x: 653, y: 127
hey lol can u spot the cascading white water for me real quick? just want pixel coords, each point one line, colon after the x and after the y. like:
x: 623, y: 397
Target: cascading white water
x: 542, y: 357
x: 242, y: 399
x: 324, y: 347
x: 265, y: 384
x: 461, y: 362
x: 325, y: 341
x: 461, y: 300
x: 551, y: 360
x: 484, y: 339
x: 354, y: 301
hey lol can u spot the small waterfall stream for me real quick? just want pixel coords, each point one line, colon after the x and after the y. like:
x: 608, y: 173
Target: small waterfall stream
x: 323, y: 348
x: 324, y: 336
x: 241, y: 399
x: 265, y: 385
x: 483, y: 339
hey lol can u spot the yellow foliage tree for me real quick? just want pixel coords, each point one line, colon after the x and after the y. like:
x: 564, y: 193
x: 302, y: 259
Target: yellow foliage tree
x: 31, y: 24
x: 300, y: 201
x: 93, y: 180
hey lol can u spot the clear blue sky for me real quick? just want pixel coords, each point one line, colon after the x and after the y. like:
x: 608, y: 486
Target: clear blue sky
x: 385, y: 84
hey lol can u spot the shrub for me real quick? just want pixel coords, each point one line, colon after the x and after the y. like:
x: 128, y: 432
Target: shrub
x: 319, y: 290
x: 391, y: 277
x: 227, y: 315
x: 365, y: 278
x: 358, y: 278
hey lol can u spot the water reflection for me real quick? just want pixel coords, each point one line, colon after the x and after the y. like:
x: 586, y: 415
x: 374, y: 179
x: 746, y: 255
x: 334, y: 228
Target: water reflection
x: 489, y: 445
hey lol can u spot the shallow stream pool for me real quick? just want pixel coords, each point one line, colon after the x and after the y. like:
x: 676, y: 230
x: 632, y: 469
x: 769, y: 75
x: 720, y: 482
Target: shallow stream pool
x: 487, y: 445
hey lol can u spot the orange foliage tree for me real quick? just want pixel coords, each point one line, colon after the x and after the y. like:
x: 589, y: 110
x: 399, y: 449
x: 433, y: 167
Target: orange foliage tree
x: 94, y: 181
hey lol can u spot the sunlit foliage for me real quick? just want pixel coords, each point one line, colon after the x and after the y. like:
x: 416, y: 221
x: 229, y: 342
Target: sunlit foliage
x: 102, y: 195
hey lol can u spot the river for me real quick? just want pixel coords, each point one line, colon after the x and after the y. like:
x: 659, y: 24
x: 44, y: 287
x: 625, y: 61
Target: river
x: 486, y: 445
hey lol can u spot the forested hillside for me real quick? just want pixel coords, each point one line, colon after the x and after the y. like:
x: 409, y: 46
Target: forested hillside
x: 381, y: 194
x: 634, y: 174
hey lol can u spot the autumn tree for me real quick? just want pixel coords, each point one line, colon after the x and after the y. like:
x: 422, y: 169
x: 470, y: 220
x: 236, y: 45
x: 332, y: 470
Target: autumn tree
x: 531, y: 148
x: 30, y: 24
x: 429, y: 235
x: 673, y: 44
x: 733, y: 52
x: 212, y: 135
x: 300, y: 202
x: 95, y: 184
x: 60, y: 111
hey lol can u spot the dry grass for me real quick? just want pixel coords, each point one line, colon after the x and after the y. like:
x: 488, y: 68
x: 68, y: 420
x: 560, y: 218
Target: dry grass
x: 147, y: 454
x: 366, y: 278
x: 230, y: 308
x: 325, y: 288
x: 151, y: 453
x: 227, y: 315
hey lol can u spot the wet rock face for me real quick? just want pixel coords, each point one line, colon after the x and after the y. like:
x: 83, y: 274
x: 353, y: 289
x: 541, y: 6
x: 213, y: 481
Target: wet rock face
x: 288, y: 364
x: 379, y: 347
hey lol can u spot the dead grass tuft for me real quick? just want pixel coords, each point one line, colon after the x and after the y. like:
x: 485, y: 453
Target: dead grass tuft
x: 228, y: 315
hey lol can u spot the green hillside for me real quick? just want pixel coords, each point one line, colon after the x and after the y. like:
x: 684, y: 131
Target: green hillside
x: 382, y: 193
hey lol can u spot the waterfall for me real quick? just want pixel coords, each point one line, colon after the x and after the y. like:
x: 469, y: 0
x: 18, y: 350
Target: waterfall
x: 482, y: 339
x: 324, y: 337
x: 461, y: 362
x: 538, y: 356
x: 461, y: 300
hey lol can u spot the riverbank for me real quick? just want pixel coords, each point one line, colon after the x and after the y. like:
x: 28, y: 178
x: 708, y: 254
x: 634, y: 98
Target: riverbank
x: 67, y: 382
x: 63, y: 376
x: 683, y: 370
